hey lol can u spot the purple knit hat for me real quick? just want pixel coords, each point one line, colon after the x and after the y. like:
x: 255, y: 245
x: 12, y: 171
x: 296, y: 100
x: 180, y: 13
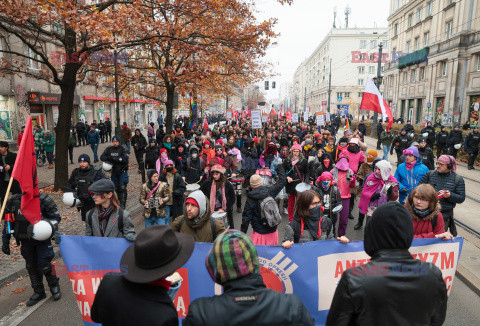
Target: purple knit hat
x: 411, y: 151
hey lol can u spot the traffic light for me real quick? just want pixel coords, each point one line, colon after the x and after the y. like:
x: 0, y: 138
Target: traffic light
x: 273, y: 85
x: 266, y: 85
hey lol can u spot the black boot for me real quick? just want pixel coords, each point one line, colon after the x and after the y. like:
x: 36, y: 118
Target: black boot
x: 361, y: 218
x: 52, y: 280
x: 122, y: 195
x: 239, y: 204
x: 36, y: 278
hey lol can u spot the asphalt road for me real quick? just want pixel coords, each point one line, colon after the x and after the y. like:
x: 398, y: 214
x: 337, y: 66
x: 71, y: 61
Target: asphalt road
x: 462, y: 308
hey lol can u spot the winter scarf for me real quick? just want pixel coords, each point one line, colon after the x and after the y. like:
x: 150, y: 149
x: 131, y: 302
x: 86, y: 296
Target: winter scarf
x: 213, y: 197
x: 103, y: 216
x: 167, y: 145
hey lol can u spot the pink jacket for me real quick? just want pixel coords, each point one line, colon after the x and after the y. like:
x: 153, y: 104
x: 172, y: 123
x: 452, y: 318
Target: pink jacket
x: 340, y: 180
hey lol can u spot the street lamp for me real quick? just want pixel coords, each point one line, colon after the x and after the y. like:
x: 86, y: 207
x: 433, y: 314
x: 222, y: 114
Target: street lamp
x: 378, y: 79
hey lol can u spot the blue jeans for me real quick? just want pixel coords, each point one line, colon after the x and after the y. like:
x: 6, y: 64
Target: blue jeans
x: 154, y: 220
x: 386, y: 149
x: 127, y: 143
x: 94, y: 148
x: 168, y: 212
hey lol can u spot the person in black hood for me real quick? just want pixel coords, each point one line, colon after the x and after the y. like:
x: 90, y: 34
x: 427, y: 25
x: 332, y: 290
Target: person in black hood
x: 139, y: 142
x: 180, y: 157
x: 152, y: 153
x: 192, y: 169
x: 284, y: 140
x: 325, y: 166
x: 455, y: 137
x: 411, y: 291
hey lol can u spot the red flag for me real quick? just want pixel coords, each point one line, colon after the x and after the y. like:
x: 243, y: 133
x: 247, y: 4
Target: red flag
x: 372, y: 100
x: 25, y: 172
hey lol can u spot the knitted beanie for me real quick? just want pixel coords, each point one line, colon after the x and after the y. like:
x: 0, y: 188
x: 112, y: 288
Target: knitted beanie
x: 371, y: 155
x: 256, y: 181
x: 231, y: 257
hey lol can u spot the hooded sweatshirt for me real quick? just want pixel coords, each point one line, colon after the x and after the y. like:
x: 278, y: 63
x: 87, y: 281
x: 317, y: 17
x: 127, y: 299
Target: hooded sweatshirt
x: 199, y: 227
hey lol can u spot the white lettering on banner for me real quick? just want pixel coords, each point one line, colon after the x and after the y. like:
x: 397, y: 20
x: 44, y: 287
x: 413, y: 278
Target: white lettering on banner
x: 331, y: 267
x: 84, y: 307
x: 229, y: 115
x: 78, y: 287
x: 256, y: 119
x: 320, y: 120
x: 181, y: 306
x: 96, y: 284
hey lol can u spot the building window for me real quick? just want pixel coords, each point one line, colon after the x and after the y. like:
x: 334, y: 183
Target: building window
x: 347, y: 94
x: 371, y: 69
x: 410, y: 20
x: 363, y: 44
x: 417, y: 43
x: 360, y: 82
x: 412, y: 76
x: 360, y: 94
x: 391, y: 80
x: 419, y: 15
x: 32, y: 57
x: 429, y: 9
x: 405, y: 77
x: 339, y: 94
x: 395, y: 29
x: 444, y: 68
x: 361, y: 70
x: 426, y: 37
x: 407, y: 50
x: 478, y: 62
x: 373, y: 44
x: 448, y: 30
x: 422, y: 73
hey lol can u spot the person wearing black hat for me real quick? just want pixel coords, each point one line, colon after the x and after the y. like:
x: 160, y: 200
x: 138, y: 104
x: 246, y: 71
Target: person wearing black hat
x: 152, y: 153
x: 139, y: 142
x: 82, y: 178
x: 179, y: 157
x: 400, y: 143
x: 117, y: 156
x: 426, y: 153
x: 415, y: 294
x: 141, y: 295
x: 430, y: 138
x: 408, y: 127
x: 441, y: 141
x: 108, y: 219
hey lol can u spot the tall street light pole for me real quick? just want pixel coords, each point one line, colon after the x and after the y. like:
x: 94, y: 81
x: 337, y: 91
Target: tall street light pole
x: 378, y: 82
x: 305, y: 100
x: 329, y: 86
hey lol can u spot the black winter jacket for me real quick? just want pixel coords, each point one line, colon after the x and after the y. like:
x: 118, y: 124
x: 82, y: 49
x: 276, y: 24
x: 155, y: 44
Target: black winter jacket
x: 446, y: 181
x: 251, y: 211
x: 441, y: 138
x: 454, y: 137
x: 229, y: 193
x: 246, y: 301
x: 426, y: 154
x: 140, y: 141
x: 292, y: 172
x: 151, y: 156
x: 380, y: 292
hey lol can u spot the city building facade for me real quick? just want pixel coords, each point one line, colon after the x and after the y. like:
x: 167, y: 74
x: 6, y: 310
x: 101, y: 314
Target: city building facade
x: 351, y: 54
x: 436, y: 72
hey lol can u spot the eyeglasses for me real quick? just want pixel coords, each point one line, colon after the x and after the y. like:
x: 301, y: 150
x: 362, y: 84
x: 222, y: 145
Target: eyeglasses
x: 420, y: 199
x: 440, y: 164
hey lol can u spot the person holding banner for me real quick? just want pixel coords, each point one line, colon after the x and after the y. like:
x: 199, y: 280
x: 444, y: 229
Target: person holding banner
x: 424, y: 206
x: 393, y: 288
x: 38, y: 255
x: 308, y: 223
x: 233, y: 263
x: 143, y: 295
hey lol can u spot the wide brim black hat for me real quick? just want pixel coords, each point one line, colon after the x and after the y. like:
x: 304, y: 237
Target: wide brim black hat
x: 159, y: 238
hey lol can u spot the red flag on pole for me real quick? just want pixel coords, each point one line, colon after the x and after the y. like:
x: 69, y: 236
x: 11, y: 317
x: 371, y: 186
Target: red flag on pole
x: 372, y: 100
x: 25, y: 172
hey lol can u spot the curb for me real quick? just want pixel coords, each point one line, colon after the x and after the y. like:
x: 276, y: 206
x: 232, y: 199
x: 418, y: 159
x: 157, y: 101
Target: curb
x: 470, y: 280
x: 5, y: 278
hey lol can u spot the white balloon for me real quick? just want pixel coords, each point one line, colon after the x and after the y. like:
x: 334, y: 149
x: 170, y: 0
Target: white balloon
x: 43, y: 230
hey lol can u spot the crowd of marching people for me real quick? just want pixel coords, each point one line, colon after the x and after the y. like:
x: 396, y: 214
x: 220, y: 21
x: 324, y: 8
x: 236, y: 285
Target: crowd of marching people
x: 193, y: 179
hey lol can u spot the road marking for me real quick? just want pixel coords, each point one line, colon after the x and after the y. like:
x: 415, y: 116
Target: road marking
x: 19, y: 314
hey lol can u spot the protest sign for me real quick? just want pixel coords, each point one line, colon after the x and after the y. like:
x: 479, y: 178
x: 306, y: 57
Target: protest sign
x: 310, y: 270
x: 295, y: 118
x: 320, y: 119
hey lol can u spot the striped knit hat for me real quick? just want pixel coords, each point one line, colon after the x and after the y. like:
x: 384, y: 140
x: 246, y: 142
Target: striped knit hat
x: 232, y: 256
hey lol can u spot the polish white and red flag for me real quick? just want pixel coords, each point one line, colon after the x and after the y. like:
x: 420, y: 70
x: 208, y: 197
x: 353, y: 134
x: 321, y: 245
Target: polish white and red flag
x: 372, y: 100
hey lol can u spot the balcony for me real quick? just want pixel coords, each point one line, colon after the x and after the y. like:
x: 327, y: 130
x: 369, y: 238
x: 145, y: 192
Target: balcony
x: 413, y: 58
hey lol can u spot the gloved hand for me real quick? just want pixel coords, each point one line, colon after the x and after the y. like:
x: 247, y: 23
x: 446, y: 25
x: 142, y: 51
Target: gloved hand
x: 375, y: 196
x: 6, y: 248
x: 390, y: 192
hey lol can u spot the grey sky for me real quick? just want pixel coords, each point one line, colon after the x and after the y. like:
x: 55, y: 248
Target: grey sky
x: 304, y: 24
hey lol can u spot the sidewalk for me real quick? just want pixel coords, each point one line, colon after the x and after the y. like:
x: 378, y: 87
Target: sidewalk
x: 13, y: 266
x: 468, y: 268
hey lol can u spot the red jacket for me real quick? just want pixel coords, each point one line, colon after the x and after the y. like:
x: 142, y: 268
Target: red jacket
x: 423, y: 228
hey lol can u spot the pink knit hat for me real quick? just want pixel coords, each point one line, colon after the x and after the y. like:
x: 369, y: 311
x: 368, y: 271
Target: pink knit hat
x: 296, y: 147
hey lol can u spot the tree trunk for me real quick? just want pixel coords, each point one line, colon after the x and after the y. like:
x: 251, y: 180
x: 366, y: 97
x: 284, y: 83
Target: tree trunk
x: 62, y: 133
x: 169, y: 107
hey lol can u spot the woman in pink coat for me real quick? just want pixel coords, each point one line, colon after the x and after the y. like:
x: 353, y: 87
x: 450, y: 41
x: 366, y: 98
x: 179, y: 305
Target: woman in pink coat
x: 345, y: 180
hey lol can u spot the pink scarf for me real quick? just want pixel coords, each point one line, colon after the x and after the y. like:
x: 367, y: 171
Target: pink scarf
x: 372, y: 185
x: 410, y: 165
x: 213, y: 197
x: 295, y: 160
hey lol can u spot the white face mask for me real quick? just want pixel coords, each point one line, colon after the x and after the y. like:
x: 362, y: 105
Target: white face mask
x: 194, y: 155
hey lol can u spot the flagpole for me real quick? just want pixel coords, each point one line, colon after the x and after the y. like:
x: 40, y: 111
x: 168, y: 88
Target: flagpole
x: 6, y: 196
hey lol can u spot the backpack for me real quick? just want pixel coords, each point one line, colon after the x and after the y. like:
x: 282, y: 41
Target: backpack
x: 212, y: 225
x: 120, y: 219
x: 269, y: 214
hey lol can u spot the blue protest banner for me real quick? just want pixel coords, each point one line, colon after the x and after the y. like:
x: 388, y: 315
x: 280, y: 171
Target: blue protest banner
x: 310, y: 271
